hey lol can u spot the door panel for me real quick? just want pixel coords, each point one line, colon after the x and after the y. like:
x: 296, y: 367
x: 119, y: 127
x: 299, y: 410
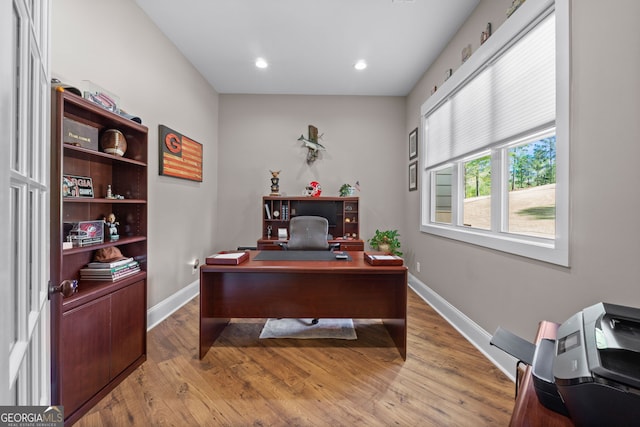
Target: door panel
x: 24, y: 195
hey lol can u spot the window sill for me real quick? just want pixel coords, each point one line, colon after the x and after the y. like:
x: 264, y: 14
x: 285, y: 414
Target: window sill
x: 547, y: 250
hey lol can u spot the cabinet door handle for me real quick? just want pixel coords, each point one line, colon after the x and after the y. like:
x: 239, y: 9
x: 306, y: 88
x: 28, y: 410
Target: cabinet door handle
x: 66, y: 288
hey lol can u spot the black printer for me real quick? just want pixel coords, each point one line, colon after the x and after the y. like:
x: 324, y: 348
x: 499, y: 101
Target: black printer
x: 597, y: 365
x: 591, y: 372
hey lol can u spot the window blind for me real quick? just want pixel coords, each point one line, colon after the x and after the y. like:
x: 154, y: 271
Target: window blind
x: 512, y: 94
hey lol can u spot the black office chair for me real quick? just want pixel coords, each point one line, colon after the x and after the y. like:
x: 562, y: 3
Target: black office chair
x: 308, y: 233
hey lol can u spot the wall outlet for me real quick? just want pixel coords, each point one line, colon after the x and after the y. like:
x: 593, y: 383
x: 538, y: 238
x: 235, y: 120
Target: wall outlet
x: 418, y: 267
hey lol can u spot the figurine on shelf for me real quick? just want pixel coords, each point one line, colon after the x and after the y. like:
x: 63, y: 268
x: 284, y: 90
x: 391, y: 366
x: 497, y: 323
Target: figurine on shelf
x: 112, y: 225
x: 275, y: 183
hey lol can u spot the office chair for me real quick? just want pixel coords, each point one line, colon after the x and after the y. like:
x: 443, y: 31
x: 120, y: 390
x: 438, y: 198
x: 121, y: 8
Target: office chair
x: 308, y: 233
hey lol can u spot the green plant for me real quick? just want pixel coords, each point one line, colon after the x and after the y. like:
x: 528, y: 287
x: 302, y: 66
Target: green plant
x: 387, y: 241
x: 346, y: 190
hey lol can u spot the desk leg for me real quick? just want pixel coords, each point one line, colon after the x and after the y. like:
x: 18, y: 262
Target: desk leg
x: 210, y: 330
x: 210, y: 327
x: 397, y: 328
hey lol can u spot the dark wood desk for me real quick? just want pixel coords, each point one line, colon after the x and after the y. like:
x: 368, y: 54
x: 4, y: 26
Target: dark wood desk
x: 528, y: 411
x: 303, y: 289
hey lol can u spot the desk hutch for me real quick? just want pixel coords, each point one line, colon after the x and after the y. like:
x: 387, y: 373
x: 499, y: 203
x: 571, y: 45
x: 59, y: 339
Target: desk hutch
x: 342, y: 213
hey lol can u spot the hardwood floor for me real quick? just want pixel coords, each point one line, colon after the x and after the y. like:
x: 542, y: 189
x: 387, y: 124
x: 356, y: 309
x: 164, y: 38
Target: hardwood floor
x: 246, y: 381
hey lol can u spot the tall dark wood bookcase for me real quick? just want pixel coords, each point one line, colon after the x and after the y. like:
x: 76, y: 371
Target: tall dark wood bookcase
x: 98, y: 334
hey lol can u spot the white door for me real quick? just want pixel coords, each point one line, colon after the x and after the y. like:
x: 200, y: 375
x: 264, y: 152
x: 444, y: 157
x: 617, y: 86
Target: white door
x: 24, y: 200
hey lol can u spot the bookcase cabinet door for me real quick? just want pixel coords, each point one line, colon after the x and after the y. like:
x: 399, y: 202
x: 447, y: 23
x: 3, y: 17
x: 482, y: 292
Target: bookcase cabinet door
x: 128, y: 326
x: 85, y: 352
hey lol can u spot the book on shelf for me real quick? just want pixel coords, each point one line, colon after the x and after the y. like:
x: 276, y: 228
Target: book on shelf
x: 98, y: 264
x: 108, y: 273
x: 110, y: 277
x: 105, y: 268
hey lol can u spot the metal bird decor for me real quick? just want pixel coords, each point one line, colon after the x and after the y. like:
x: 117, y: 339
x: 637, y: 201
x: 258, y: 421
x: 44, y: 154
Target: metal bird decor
x: 312, y: 144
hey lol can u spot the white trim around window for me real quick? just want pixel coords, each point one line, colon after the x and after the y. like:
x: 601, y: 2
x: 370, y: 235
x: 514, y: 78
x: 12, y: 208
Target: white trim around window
x: 553, y: 250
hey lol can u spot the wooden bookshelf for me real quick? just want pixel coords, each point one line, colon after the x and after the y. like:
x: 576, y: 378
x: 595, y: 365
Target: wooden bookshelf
x: 99, y: 333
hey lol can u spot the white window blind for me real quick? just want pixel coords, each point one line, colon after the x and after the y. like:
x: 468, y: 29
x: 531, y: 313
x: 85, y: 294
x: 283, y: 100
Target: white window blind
x: 512, y: 94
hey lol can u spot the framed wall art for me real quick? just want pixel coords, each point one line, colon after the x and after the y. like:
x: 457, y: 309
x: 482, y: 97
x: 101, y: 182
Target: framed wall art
x: 413, y: 144
x: 413, y: 176
x: 180, y: 156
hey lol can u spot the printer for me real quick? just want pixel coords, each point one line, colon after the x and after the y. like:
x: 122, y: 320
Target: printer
x: 591, y: 371
x: 597, y: 365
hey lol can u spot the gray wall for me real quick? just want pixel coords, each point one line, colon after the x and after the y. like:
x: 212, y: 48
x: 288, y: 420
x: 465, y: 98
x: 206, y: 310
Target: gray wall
x: 494, y: 288
x: 114, y: 44
x: 364, y: 142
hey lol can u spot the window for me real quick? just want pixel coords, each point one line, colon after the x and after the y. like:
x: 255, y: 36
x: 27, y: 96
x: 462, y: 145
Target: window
x: 496, y: 140
x: 477, y: 193
x: 532, y: 188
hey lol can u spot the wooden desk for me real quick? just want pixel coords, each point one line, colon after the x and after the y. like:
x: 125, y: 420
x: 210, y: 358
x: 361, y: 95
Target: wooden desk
x: 273, y: 243
x: 303, y: 289
x: 528, y: 411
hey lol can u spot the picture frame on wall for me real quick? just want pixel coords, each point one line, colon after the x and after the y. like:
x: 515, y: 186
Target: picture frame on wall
x: 180, y: 156
x: 413, y: 176
x: 413, y: 144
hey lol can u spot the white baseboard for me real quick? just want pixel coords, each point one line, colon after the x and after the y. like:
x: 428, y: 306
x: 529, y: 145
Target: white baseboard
x: 467, y: 327
x: 165, y: 308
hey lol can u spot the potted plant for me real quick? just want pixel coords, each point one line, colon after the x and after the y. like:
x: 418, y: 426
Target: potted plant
x: 386, y: 241
x: 346, y: 190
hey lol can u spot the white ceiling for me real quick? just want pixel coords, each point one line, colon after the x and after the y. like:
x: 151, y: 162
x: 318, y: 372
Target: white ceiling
x: 311, y: 45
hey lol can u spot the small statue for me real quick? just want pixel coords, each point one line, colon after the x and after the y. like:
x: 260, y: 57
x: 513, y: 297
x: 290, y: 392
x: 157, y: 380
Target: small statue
x: 275, y: 180
x: 112, y: 225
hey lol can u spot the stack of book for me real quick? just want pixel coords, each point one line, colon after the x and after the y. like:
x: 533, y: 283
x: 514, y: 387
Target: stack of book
x: 110, y: 271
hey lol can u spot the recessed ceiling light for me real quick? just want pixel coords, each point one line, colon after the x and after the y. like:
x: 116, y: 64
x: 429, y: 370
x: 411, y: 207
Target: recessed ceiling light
x: 360, y: 65
x: 261, y: 63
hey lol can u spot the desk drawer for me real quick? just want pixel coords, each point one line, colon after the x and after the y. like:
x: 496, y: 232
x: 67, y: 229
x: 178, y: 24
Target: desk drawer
x: 352, y: 246
x: 269, y: 247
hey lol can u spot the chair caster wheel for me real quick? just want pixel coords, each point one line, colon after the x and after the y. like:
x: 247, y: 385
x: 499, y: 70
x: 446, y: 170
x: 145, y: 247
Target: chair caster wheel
x: 314, y: 322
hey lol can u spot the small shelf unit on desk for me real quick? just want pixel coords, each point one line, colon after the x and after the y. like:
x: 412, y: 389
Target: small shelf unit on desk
x: 341, y: 213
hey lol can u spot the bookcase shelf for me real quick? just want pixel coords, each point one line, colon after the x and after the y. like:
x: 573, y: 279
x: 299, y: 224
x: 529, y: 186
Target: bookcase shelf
x: 98, y: 333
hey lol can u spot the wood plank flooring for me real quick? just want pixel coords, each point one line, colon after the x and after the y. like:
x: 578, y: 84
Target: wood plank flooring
x: 246, y: 381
